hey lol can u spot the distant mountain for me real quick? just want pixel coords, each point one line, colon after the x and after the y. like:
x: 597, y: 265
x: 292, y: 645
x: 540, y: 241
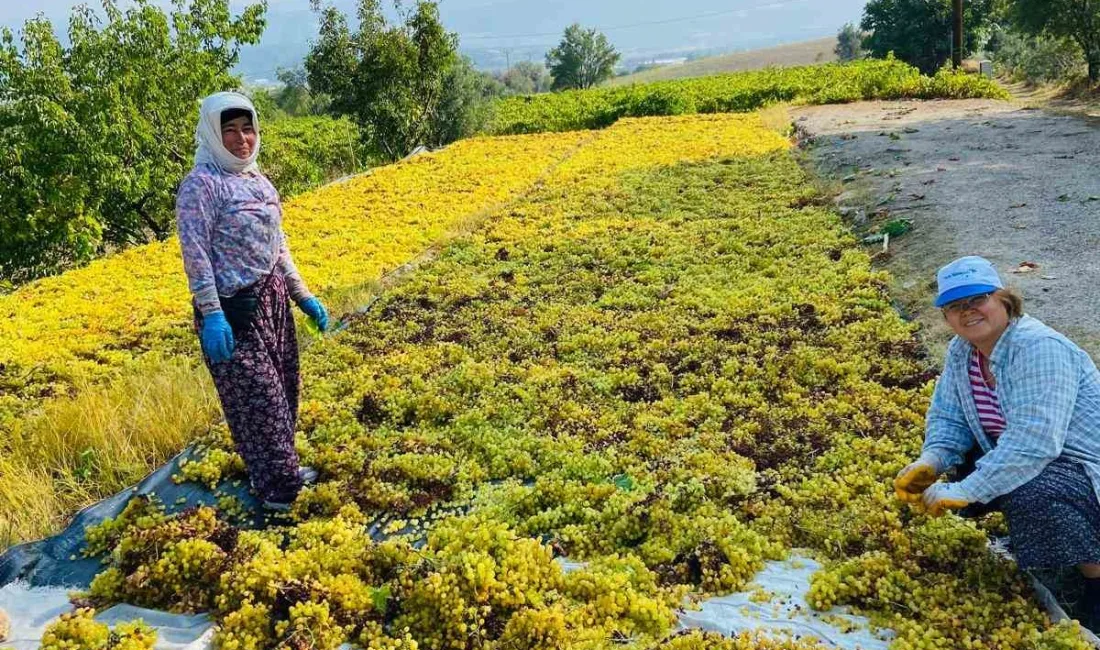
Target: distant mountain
x: 495, y: 33
x: 819, y: 50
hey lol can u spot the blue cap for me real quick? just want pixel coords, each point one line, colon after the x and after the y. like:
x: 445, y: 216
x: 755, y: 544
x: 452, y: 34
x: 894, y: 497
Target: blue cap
x: 965, y: 277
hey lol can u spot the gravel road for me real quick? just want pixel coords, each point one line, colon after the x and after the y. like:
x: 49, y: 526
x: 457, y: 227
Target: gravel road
x: 974, y: 177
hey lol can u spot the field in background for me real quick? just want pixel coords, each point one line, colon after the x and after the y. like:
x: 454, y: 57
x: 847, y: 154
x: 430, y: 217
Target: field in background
x: 735, y: 92
x: 794, y: 54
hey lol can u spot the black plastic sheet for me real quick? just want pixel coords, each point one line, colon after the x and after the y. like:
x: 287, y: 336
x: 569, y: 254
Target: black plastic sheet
x: 58, y: 561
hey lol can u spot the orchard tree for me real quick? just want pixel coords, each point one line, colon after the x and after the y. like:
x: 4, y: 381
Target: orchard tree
x: 526, y: 78
x: 1075, y: 19
x: 919, y: 31
x: 295, y: 97
x: 583, y: 59
x: 96, y: 135
x: 849, y: 43
x: 392, y: 80
x: 465, y: 106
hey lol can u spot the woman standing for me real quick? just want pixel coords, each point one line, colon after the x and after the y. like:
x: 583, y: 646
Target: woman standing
x: 242, y: 279
x: 1027, y: 401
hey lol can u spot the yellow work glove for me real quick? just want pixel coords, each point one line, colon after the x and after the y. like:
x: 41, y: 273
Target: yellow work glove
x: 916, y: 477
x: 942, y: 497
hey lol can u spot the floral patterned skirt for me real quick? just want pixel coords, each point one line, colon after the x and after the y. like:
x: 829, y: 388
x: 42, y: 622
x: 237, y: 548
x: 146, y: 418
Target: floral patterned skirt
x: 258, y: 388
x: 1053, y: 519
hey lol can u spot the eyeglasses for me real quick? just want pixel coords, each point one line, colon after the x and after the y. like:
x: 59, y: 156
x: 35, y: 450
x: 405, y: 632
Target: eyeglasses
x: 964, y: 304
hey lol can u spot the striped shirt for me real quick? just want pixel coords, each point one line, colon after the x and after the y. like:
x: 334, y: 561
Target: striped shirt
x: 985, y: 399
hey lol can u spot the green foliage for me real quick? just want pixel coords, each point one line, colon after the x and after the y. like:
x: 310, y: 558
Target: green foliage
x: 295, y: 96
x: 849, y: 43
x: 742, y: 91
x: 1038, y: 59
x: 1075, y: 19
x: 919, y: 31
x: 299, y: 153
x: 464, y: 109
x: 392, y: 80
x: 95, y: 135
x: 583, y: 59
x: 526, y: 78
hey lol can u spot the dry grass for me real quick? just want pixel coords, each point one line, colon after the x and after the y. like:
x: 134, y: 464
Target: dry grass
x: 804, y: 53
x: 1077, y: 97
x: 79, y: 450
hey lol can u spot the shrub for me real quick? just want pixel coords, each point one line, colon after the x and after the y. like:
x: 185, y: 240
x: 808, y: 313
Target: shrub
x: 1039, y: 59
x: 737, y: 92
x: 300, y: 153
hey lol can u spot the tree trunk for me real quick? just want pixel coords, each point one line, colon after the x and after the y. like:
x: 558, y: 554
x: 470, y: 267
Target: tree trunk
x: 957, y: 36
x: 1092, y: 55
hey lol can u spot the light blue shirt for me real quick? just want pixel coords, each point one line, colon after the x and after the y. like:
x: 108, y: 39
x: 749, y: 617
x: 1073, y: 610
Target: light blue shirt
x: 1049, y: 391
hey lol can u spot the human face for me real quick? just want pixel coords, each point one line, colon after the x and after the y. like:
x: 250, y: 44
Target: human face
x: 239, y: 137
x: 979, y: 319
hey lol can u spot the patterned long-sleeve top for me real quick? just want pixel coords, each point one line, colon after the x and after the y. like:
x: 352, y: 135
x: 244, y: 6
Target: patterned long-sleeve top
x: 231, y: 234
x: 1049, y: 393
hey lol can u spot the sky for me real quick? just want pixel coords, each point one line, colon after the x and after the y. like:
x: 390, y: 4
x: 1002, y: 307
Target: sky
x: 494, y: 32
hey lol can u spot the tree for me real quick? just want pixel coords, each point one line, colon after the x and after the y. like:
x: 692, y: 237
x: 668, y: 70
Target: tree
x: 919, y: 31
x: 526, y: 78
x: 295, y: 96
x: 390, y: 79
x: 849, y: 43
x: 96, y: 135
x: 583, y: 59
x: 464, y: 108
x: 1075, y: 19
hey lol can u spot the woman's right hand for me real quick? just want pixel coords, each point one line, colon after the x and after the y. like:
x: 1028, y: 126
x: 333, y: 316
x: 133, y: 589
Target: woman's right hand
x: 217, y: 337
x: 915, y: 478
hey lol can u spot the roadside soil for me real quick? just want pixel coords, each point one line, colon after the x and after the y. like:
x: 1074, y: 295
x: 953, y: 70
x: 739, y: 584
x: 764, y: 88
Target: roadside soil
x: 1071, y: 99
x: 1004, y: 180
x: 1016, y: 182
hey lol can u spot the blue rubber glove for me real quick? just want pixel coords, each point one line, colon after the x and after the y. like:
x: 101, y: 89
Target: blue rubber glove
x: 217, y: 337
x: 315, y: 310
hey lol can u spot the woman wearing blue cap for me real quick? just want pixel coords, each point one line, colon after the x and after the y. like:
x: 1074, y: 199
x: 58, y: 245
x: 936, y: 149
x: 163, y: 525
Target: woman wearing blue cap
x: 1027, y: 401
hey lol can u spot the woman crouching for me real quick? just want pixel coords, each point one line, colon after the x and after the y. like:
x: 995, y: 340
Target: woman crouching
x: 1026, y: 401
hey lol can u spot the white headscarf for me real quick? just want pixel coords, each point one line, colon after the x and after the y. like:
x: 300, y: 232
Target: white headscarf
x: 208, y: 134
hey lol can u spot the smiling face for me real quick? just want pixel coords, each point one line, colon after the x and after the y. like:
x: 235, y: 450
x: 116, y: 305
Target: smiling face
x: 239, y: 137
x: 979, y: 319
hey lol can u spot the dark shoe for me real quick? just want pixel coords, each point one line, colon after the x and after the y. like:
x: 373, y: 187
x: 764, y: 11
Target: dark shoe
x: 1090, y: 604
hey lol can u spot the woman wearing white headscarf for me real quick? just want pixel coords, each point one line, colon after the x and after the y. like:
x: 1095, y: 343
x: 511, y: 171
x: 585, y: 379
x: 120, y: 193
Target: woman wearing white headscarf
x: 242, y: 279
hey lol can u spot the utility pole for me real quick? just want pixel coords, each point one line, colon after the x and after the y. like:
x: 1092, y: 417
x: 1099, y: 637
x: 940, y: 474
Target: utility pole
x: 957, y: 43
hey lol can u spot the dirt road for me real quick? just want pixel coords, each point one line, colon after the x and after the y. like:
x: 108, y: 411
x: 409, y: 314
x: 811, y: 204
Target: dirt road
x: 974, y: 177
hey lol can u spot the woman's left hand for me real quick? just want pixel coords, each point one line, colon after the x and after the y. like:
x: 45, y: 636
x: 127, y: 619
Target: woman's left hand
x: 316, y: 311
x: 941, y: 497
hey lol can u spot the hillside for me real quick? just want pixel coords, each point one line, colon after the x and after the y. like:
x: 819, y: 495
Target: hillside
x: 803, y: 53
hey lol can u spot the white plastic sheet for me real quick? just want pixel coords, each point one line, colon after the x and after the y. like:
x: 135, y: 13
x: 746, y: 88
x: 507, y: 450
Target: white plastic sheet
x: 32, y: 609
x: 775, y: 603
x: 784, y: 613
